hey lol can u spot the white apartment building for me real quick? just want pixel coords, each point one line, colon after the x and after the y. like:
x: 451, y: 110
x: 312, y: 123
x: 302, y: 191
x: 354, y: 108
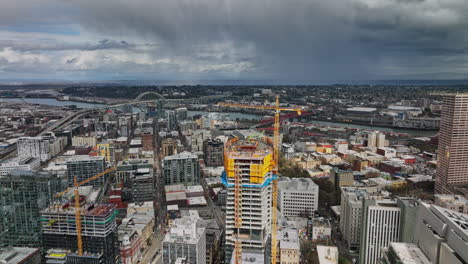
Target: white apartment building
x: 185, y: 240
x: 43, y: 148
x: 19, y: 164
x: 34, y: 147
x: 297, y: 197
x: 380, y: 226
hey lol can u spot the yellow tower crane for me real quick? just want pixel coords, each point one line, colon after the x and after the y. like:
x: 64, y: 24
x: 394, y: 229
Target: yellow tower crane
x: 77, y: 184
x: 276, y: 148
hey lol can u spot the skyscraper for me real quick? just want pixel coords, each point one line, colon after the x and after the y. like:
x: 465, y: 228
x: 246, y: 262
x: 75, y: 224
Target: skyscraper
x: 253, y: 161
x: 381, y: 225
x: 171, y: 120
x: 452, y: 168
x: 22, y: 196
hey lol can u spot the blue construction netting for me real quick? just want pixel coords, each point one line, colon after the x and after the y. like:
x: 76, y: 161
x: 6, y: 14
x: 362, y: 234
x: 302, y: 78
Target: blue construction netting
x: 266, y: 183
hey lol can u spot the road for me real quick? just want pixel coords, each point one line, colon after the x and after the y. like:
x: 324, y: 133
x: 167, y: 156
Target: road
x: 151, y: 250
x: 213, y: 208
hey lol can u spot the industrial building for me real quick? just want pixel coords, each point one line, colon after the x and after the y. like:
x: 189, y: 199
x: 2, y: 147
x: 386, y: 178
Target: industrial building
x: 252, y: 161
x: 99, y: 229
x: 22, y: 196
x: 181, y: 168
x: 297, y: 197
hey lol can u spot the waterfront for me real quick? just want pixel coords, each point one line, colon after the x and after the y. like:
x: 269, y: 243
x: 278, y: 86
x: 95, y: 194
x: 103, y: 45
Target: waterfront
x: 50, y: 101
x: 231, y: 116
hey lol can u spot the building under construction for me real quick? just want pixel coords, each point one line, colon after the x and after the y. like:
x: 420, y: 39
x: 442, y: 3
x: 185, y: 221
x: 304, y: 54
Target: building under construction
x: 99, y: 229
x: 248, y: 177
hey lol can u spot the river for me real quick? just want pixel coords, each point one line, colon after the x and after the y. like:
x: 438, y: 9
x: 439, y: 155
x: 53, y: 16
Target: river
x: 232, y: 116
x: 51, y: 101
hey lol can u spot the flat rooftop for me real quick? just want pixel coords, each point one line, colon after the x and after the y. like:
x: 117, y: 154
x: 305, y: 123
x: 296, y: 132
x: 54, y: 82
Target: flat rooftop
x: 409, y: 253
x: 14, y: 255
x: 327, y: 255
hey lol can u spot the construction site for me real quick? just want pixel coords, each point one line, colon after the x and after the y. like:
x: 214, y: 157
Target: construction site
x: 248, y: 176
x: 98, y: 229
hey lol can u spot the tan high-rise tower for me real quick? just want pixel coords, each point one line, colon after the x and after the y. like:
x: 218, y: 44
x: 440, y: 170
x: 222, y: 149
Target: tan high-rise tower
x: 452, y: 167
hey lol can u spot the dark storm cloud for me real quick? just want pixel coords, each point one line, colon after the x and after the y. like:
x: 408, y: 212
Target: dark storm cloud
x: 311, y: 39
x: 284, y: 40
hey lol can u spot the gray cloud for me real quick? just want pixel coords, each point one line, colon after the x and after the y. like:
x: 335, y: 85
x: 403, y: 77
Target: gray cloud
x: 269, y: 39
x: 310, y: 39
x: 62, y: 46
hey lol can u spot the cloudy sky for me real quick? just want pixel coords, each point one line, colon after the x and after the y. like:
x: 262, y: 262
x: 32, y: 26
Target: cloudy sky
x: 288, y: 41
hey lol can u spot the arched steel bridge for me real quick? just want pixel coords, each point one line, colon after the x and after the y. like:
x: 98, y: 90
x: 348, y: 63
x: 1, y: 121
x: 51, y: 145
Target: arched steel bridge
x: 199, y: 100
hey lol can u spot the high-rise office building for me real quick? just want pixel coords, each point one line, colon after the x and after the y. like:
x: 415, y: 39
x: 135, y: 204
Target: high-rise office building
x: 253, y: 162
x: 297, y: 197
x: 213, y: 150
x: 452, y: 166
x: 99, y: 229
x: 181, y: 168
x: 84, y: 167
x: 22, y: 196
x: 380, y: 226
x: 171, y: 120
x: 385, y: 221
x: 351, y: 215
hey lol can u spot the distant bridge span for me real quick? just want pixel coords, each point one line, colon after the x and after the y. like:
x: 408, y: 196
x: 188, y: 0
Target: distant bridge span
x: 138, y: 98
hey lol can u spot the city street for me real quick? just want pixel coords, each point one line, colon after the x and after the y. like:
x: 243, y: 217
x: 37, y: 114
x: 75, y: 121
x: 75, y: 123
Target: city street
x: 153, y: 249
